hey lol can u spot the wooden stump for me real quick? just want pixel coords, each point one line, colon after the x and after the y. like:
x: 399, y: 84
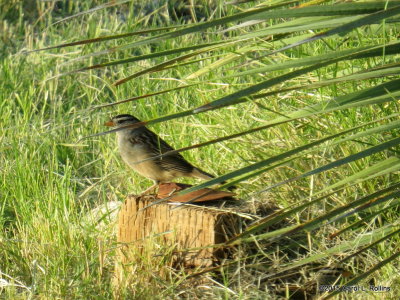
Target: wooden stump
x: 191, y: 230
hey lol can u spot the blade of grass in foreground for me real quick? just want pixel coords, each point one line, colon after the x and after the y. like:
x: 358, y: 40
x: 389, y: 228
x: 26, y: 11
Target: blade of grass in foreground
x: 284, y: 213
x: 232, y: 98
x: 337, y: 9
x: 356, y: 225
x: 387, y: 91
x: 141, y: 57
x: 375, y: 95
x: 302, y: 62
x: 337, y: 163
x: 344, y: 29
x: 103, y: 39
x: 319, y: 221
x: 276, y: 235
x: 372, y: 150
x: 199, y: 27
x: 389, y: 165
x: 165, y: 64
x: 345, y: 246
x: 363, y: 206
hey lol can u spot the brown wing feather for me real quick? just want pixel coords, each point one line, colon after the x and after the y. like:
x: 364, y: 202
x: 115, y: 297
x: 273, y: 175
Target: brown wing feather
x: 158, y: 146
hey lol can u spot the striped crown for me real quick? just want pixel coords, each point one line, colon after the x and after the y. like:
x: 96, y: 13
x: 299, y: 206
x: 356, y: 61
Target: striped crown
x: 124, y: 119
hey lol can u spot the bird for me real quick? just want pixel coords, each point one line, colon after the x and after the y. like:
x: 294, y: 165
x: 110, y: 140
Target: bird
x: 140, y: 143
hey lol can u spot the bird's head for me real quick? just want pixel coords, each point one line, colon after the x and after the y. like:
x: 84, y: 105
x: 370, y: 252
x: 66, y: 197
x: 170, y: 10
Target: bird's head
x: 122, y: 120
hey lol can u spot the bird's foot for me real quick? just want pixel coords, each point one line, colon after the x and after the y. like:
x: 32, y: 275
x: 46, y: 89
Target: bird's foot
x: 150, y: 189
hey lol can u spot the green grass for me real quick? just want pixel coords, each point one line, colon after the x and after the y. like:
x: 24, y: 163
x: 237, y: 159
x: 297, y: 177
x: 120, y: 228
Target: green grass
x: 50, y: 248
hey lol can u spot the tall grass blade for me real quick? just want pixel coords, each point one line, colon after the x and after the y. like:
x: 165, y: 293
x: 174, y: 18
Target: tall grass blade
x: 372, y: 150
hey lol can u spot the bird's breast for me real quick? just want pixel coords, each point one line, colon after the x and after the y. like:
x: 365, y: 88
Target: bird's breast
x: 133, y: 153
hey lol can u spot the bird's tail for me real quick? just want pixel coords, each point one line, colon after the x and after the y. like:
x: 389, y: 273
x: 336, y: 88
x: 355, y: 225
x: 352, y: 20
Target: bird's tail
x: 201, y: 174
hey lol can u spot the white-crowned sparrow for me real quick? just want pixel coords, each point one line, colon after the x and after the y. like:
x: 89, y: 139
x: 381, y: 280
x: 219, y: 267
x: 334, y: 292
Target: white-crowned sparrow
x: 137, y: 144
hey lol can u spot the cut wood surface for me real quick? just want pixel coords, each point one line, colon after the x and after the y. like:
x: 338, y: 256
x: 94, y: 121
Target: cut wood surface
x: 191, y: 230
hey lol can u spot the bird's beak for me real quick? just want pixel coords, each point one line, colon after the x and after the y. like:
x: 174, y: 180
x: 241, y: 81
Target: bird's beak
x: 109, y: 124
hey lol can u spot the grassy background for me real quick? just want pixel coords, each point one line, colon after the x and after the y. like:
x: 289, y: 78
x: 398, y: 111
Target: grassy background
x: 50, y: 245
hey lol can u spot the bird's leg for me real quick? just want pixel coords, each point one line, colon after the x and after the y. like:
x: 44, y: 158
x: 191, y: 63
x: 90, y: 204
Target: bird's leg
x: 153, y: 187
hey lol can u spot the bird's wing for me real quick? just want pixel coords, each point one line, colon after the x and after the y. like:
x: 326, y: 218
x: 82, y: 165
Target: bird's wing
x: 170, y: 162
